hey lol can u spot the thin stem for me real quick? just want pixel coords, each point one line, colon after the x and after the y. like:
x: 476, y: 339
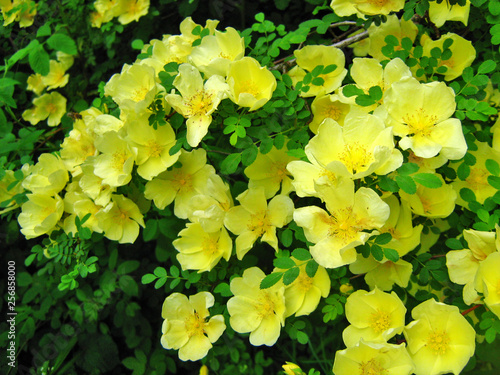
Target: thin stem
x: 471, y: 309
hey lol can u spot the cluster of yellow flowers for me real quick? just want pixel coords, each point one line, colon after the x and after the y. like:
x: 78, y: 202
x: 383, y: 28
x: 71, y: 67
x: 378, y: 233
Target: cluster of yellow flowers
x: 125, y: 10
x: 350, y: 142
x: 22, y: 11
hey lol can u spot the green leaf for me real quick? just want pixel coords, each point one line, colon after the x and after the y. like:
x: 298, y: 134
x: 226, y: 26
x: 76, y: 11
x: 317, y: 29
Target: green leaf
x: 364, y: 100
x: 383, y: 238
x: 454, y: 244
x: 151, y: 230
x: 463, y: 171
x: 391, y: 40
x: 329, y: 69
x: 447, y: 43
x: 286, y: 237
x: 148, y: 278
x: 39, y: 60
x: 63, y: 43
x: 311, y: 268
x: 377, y: 252
x: 436, y: 52
x: 43, y: 31
x: 223, y: 289
x: 406, y: 43
x: 266, y: 145
x: 249, y: 155
x: 391, y: 254
x: 161, y: 272
x: 467, y: 195
x: 301, y: 254
x: 283, y: 263
x: 429, y: 180
x: 375, y: 93
x: 406, y: 184
x: 259, y: 17
x: 128, y: 266
x: 270, y: 280
x: 494, y: 181
x: 487, y: 67
x: 291, y: 275
x: 230, y: 163
x: 492, y: 167
x: 318, y: 81
x: 137, y: 44
x: 128, y: 285
x: 351, y: 90
x: 317, y: 70
x: 408, y: 168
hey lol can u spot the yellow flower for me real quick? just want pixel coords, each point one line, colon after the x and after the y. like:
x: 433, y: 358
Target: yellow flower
x: 374, y: 316
x: 421, y: 116
x: 40, y: 214
x: 292, y: 369
x: 8, y: 190
x: 269, y: 171
x: 303, y: 295
x: 432, y: 203
x: 56, y: 77
x: 35, y: 83
x: 77, y: 147
x: 463, y: 54
x: 372, y: 8
x: 114, y: 164
x: 463, y: 264
x: 51, y: 106
x: 373, y: 359
x: 393, y: 26
x: 131, y: 10
x: 258, y: 311
x: 197, y: 101
x: 250, y: 85
x: 153, y: 147
x: 209, y: 208
x: 345, y: 8
x: 440, y: 340
x: 441, y: 12
x: 328, y: 106
x: 215, y: 52
x: 93, y: 185
x: 477, y: 181
x: 311, y: 56
x: 47, y: 177
x: 255, y: 218
x: 134, y: 88
x: 488, y: 282
x: 186, y: 327
x: 25, y: 13
x: 201, y: 250
x: 337, y: 233
x: 120, y: 220
x: 181, y: 183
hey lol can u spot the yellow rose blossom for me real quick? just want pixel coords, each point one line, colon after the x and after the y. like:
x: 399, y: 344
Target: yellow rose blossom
x: 269, y: 171
x: 375, y: 316
x: 256, y: 218
x: 361, y: 147
x: 56, y: 77
x: 368, y: 358
x: 463, y: 264
x: 432, y: 203
x: 197, y: 101
x: 78, y: 204
x: 47, y: 177
x: 421, y: 116
x: 303, y: 295
x: 441, y: 12
x: 40, y: 214
x: 114, y: 164
x: 393, y: 26
x: 463, y: 54
x: 25, y: 13
x: 134, y: 88
x: 120, y: 220
x: 250, y: 85
x: 92, y: 185
x: 292, y: 369
x: 372, y: 8
x: 337, y: 232
x: 35, y: 83
x: 153, y: 146
x: 77, y: 146
x: 181, y: 183
x: 477, y: 180
x: 345, y: 8
x: 440, y: 340
x: 201, y: 250
x: 48, y: 106
x: 328, y: 106
x: 66, y: 60
x: 131, y: 10
x: 215, y: 52
x: 487, y: 282
x: 258, y: 311
x: 188, y: 325
x: 209, y: 208
x: 311, y: 56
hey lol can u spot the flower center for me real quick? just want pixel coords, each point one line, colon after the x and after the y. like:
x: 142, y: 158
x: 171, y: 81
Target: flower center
x: 438, y: 341
x: 183, y: 181
x: 344, y: 225
x: 194, y: 325
x: 265, y: 305
x: 420, y: 123
x: 139, y: 94
x: 304, y: 282
x: 380, y: 321
x: 154, y: 149
x: 333, y: 112
x: 119, y: 159
x: 371, y: 367
x: 249, y: 87
x: 478, y: 178
x: 355, y: 157
x: 259, y: 223
x: 200, y: 103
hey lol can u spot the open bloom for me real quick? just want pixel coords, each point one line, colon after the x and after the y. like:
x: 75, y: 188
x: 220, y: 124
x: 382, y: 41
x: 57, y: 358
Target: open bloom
x: 186, y: 326
x: 40, y: 214
x: 49, y: 176
x: 48, y: 106
x: 488, y: 282
x: 375, y: 316
x: 256, y: 218
x: 197, y: 101
x: 258, y: 311
x: 440, y: 340
x: 421, y: 114
x: 337, y: 232
x: 441, y: 12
